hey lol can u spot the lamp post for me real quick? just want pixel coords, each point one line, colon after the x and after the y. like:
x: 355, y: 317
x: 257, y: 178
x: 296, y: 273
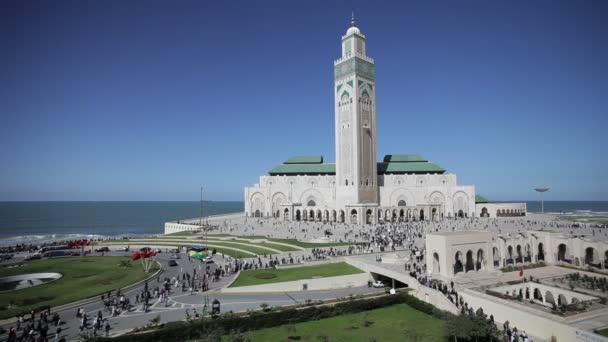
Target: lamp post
x: 542, y: 203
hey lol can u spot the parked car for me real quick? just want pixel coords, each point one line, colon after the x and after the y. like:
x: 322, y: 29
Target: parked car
x: 378, y: 284
x: 172, y: 263
x: 158, y: 250
x: 123, y: 249
x: 102, y: 249
x: 208, y: 259
x: 75, y: 253
x: 175, y: 256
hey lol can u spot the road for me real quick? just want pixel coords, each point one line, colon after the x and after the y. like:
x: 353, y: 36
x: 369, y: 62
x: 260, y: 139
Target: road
x: 180, y: 301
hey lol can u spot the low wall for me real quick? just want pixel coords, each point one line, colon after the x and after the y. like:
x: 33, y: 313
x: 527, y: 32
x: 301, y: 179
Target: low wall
x: 328, y: 283
x: 534, y: 322
x: 427, y: 294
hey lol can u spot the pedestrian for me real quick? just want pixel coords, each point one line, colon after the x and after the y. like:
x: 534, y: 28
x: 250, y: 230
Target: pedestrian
x: 107, y: 328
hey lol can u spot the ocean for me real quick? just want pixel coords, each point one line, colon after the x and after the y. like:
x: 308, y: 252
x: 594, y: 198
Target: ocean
x: 33, y: 222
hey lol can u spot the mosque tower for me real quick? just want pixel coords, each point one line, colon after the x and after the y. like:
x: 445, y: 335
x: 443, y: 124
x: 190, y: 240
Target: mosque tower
x: 355, y: 108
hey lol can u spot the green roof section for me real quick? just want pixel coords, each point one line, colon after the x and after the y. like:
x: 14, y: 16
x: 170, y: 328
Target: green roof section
x: 304, y: 169
x: 313, y: 165
x: 304, y: 160
x: 403, y: 158
x: 409, y: 167
x: 480, y: 199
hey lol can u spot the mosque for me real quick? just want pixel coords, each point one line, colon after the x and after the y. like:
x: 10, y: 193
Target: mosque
x: 357, y: 188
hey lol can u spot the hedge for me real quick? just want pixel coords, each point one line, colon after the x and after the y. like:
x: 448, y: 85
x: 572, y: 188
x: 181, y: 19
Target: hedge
x: 231, y: 323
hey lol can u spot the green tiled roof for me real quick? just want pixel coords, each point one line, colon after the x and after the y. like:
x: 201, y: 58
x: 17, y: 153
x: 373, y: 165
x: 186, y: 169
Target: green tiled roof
x: 304, y: 169
x: 480, y: 199
x: 304, y: 160
x: 313, y: 165
x: 403, y: 158
x: 409, y: 167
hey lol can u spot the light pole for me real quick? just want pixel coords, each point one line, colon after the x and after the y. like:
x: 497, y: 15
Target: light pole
x: 542, y: 203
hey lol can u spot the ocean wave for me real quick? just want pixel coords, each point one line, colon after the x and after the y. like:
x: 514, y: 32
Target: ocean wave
x: 38, y: 239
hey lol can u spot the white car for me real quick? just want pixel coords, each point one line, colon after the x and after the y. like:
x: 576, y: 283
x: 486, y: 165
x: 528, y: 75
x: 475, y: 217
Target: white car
x: 208, y: 259
x: 378, y: 284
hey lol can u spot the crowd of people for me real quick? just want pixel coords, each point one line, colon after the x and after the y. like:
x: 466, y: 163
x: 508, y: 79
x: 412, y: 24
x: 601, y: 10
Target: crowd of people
x: 41, y: 326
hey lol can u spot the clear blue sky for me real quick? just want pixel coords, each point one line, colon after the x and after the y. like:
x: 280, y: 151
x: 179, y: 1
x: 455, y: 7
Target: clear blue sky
x: 145, y: 100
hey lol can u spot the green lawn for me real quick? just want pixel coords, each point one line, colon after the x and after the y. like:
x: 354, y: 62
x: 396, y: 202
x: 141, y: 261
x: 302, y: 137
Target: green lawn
x: 268, y: 276
x: 184, y: 233
x: 282, y: 248
x: 83, y: 277
x: 603, y: 332
x: 300, y: 243
x: 394, y: 323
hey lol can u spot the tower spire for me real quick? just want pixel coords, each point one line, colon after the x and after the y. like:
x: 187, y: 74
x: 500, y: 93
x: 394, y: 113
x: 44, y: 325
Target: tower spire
x: 352, y: 19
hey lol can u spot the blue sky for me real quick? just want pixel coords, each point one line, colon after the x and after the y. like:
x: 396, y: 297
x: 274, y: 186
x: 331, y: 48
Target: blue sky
x: 134, y: 100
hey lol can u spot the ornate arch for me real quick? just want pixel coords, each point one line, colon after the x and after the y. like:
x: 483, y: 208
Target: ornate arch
x: 460, y: 201
x: 402, y: 194
x: 437, y: 197
x: 257, y: 201
x: 314, y: 195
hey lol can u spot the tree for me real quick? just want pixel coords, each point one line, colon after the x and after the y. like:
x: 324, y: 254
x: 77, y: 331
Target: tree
x: 459, y: 327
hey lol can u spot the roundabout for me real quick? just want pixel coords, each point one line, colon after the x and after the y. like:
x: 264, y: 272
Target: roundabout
x: 23, y: 281
x: 37, y: 284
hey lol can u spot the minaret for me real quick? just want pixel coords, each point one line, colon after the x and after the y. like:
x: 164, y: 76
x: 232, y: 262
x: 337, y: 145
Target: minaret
x: 356, y: 175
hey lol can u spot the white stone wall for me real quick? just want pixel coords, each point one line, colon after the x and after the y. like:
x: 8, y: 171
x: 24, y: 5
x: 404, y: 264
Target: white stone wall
x: 501, y: 209
x: 272, y: 193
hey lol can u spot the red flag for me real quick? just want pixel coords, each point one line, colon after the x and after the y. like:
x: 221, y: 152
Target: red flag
x: 145, y: 254
x: 87, y: 242
x: 135, y: 256
x: 521, y: 271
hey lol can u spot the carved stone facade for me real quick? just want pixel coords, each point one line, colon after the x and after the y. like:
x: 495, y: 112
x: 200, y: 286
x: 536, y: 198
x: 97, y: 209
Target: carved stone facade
x: 358, y: 189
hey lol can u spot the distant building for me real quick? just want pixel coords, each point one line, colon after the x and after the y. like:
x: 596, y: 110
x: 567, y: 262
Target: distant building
x: 357, y: 188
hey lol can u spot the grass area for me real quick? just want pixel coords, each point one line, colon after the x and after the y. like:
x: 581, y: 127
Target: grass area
x: 184, y: 233
x: 298, y: 243
x: 219, y: 244
x: 394, y: 323
x: 269, y: 276
x: 587, y: 219
x: 83, y: 277
x: 230, y: 252
x: 602, y: 332
x: 282, y: 248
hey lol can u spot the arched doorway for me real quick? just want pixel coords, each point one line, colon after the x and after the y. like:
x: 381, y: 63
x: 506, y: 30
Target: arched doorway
x: 538, y: 295
x: 311, y: 215
x: 286, y: 214
x: 479, y: 261
x: 368, y: 216
x: 561, y: 300
x: 353, y: 216
x: 401, y: 203
x: 469, y: 265
x: 319, y: 215
x: 434, y: 214
x: 298, y: 215
x: 257, y: 213
x: 549, y: 298
x: 421, y: 214
x: 519, y: 258
x: 561, y: 252
x: 541, y: 252
x: 484, y: 212
x: 460, y: 213
x: 495, y: 257
x: 591, y: 255
x: 509, y: 254
x: 341, y: 216
x: 436, y: 268
x: 458, y: 267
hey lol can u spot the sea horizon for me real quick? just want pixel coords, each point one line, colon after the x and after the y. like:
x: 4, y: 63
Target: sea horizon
x: 37, y: 221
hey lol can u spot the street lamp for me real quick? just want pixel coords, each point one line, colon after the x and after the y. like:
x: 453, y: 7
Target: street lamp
x: 542, y: 203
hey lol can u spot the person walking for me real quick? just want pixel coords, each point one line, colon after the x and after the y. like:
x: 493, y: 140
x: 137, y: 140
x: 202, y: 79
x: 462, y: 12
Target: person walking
x: 107, y: 327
